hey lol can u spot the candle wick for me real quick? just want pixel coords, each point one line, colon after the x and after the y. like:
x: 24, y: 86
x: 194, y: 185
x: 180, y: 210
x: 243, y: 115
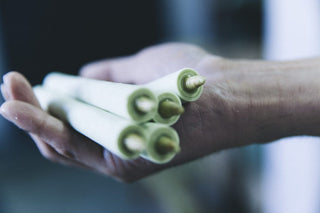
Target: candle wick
x: 166, y: 145
x: 169, y: 108
x: 194, y: 82
x: 144, y: 104
x: 134, y: 142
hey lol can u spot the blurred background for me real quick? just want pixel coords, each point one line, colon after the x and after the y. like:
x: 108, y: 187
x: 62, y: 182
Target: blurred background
x: 40, y: 36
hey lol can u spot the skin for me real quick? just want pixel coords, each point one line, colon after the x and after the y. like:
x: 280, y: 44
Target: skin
x: 244, y: 102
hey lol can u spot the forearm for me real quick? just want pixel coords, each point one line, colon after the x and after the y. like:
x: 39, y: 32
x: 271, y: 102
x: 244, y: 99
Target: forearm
x: 267, y: 100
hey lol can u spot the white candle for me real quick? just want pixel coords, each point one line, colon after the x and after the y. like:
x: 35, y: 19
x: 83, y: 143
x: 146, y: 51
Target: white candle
x: 120, y: 136
x: 126, y: 100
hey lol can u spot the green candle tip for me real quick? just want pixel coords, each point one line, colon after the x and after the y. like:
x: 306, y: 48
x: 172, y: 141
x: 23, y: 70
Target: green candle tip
x: 166, y: 145
x: 169, y: 108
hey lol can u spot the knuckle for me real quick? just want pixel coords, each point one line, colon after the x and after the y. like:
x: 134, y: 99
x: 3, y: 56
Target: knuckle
x: 85, y: 69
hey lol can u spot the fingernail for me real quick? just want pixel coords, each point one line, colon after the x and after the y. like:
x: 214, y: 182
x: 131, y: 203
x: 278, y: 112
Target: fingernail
x: 4, y: 78
x: 4, y: 92
x: 3, y: 111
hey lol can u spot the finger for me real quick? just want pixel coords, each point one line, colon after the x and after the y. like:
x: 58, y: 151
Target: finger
x: 51, y: 154
x: 20, y: 89
x: 54, y: 132
x: 17, y: 87
x: 118, y: 69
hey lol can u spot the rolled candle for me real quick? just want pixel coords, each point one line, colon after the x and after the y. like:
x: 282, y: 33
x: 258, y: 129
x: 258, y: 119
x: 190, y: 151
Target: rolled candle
x: 163, y: 143
x: 120, y: 136
x: 186, y: 83
x: 128, y: 101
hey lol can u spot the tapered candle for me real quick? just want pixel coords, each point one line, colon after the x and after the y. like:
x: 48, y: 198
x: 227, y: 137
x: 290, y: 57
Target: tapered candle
x: 169, y: 108
x: 120, y: 136
x: 186, y: 83
x: 163, y: 143
x: 129, y: 101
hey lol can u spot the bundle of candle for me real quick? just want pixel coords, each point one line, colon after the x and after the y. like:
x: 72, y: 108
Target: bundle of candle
x: 128, y: 120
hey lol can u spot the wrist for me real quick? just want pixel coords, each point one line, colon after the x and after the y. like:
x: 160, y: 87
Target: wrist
x: 267, y: 100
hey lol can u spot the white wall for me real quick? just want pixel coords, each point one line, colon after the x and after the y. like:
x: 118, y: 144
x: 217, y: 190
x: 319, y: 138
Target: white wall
x: 291, y: 177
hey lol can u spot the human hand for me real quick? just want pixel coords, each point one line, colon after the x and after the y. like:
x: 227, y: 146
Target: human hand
x: 58, y: 142
x: 224, y: 117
